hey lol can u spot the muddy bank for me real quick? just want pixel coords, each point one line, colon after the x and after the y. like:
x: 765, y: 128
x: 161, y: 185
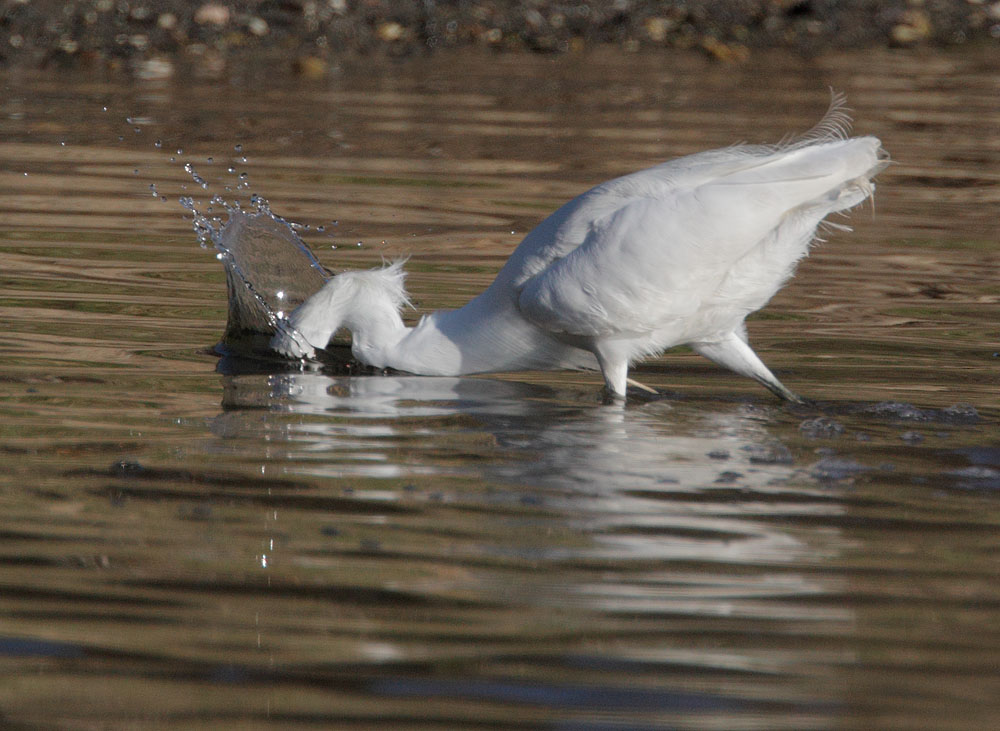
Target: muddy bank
x: 153, y: 37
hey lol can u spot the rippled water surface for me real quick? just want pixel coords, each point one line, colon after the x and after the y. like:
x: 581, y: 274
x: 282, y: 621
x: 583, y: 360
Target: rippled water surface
x: 196, y: 543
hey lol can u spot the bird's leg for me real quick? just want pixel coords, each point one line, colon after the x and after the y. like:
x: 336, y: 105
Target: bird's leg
x: 614, y: 366
x: 734, y: 353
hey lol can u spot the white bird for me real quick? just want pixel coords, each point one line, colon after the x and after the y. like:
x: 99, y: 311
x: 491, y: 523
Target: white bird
x: 678, y: 254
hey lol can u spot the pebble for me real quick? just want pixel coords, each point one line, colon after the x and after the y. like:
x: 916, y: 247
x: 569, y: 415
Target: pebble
x: 657, y: 28
x: 258, y: 27
x: 212, y: 14
x: 390, y: 32
x: 915, y: 27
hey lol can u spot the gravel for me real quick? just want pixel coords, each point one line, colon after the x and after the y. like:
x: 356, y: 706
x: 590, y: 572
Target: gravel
x: 309, y: 36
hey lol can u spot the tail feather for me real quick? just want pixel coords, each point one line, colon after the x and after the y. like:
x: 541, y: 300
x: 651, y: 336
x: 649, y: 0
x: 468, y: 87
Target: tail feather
x: 836, y: 175
x: 835, y: 124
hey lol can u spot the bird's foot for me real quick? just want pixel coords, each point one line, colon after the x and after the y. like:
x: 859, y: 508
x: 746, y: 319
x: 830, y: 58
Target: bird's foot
x: 611, y: 397
x: 642, y: 386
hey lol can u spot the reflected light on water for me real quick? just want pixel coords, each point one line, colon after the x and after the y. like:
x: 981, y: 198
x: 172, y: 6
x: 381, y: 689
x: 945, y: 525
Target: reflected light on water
x: 225, y: 544
x: 654, y: 483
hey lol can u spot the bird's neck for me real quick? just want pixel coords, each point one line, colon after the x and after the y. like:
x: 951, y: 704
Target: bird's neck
x: 423, y: 349
x: 375, y: 339
x: 486, y: 335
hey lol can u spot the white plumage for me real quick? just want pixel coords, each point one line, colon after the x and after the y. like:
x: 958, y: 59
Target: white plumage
x: 677, y: 254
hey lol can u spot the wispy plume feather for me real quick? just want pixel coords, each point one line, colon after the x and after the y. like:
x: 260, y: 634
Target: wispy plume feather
x: 835, y: 124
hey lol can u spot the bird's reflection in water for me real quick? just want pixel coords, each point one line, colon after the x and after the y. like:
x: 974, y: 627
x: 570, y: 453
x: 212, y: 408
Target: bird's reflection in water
x: 664, y: 479
x: 662, y: 512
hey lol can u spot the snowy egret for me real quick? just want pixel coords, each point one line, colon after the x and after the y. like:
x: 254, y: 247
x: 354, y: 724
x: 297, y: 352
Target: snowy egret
x: 678, y: 254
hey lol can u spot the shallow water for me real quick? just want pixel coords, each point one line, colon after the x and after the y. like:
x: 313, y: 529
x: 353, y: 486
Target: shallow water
x: 191, y: 542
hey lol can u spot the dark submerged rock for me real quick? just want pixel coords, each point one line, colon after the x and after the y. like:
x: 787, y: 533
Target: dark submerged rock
x: 821, y: 427
x: 837, y: 468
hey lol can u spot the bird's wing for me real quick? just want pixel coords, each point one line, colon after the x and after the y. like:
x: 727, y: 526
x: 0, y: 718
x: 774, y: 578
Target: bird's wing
x: 571, y: 225
x: 656, y: 256
x: 636, y: 269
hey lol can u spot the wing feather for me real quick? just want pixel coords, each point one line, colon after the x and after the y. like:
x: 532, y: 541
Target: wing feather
x: 661, y: 246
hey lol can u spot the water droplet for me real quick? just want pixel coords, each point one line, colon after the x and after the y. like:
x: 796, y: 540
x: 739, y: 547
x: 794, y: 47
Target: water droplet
x: 120, y: 138
x: 280, y: 294
x: 321, y: 229
x: 137, y: 130
x: 238, y: 148
x: 243, y: 176
x: 231, y: 170
x: 359, y: 244
x: 210, y: 160
x: 129, y: 120
x: 104, y: 108
x: 63, y: 144
x: 136, y: 171
x: 180, y: 150
x: 158, y: 144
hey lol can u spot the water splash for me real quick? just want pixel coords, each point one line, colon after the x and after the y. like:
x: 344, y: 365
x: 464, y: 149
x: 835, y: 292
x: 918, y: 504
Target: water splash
x: 269, y: 272
x: 269, y: 269
x: 189, y: 169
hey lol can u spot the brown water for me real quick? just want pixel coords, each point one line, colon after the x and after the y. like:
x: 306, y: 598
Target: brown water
x: 189, y: 543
